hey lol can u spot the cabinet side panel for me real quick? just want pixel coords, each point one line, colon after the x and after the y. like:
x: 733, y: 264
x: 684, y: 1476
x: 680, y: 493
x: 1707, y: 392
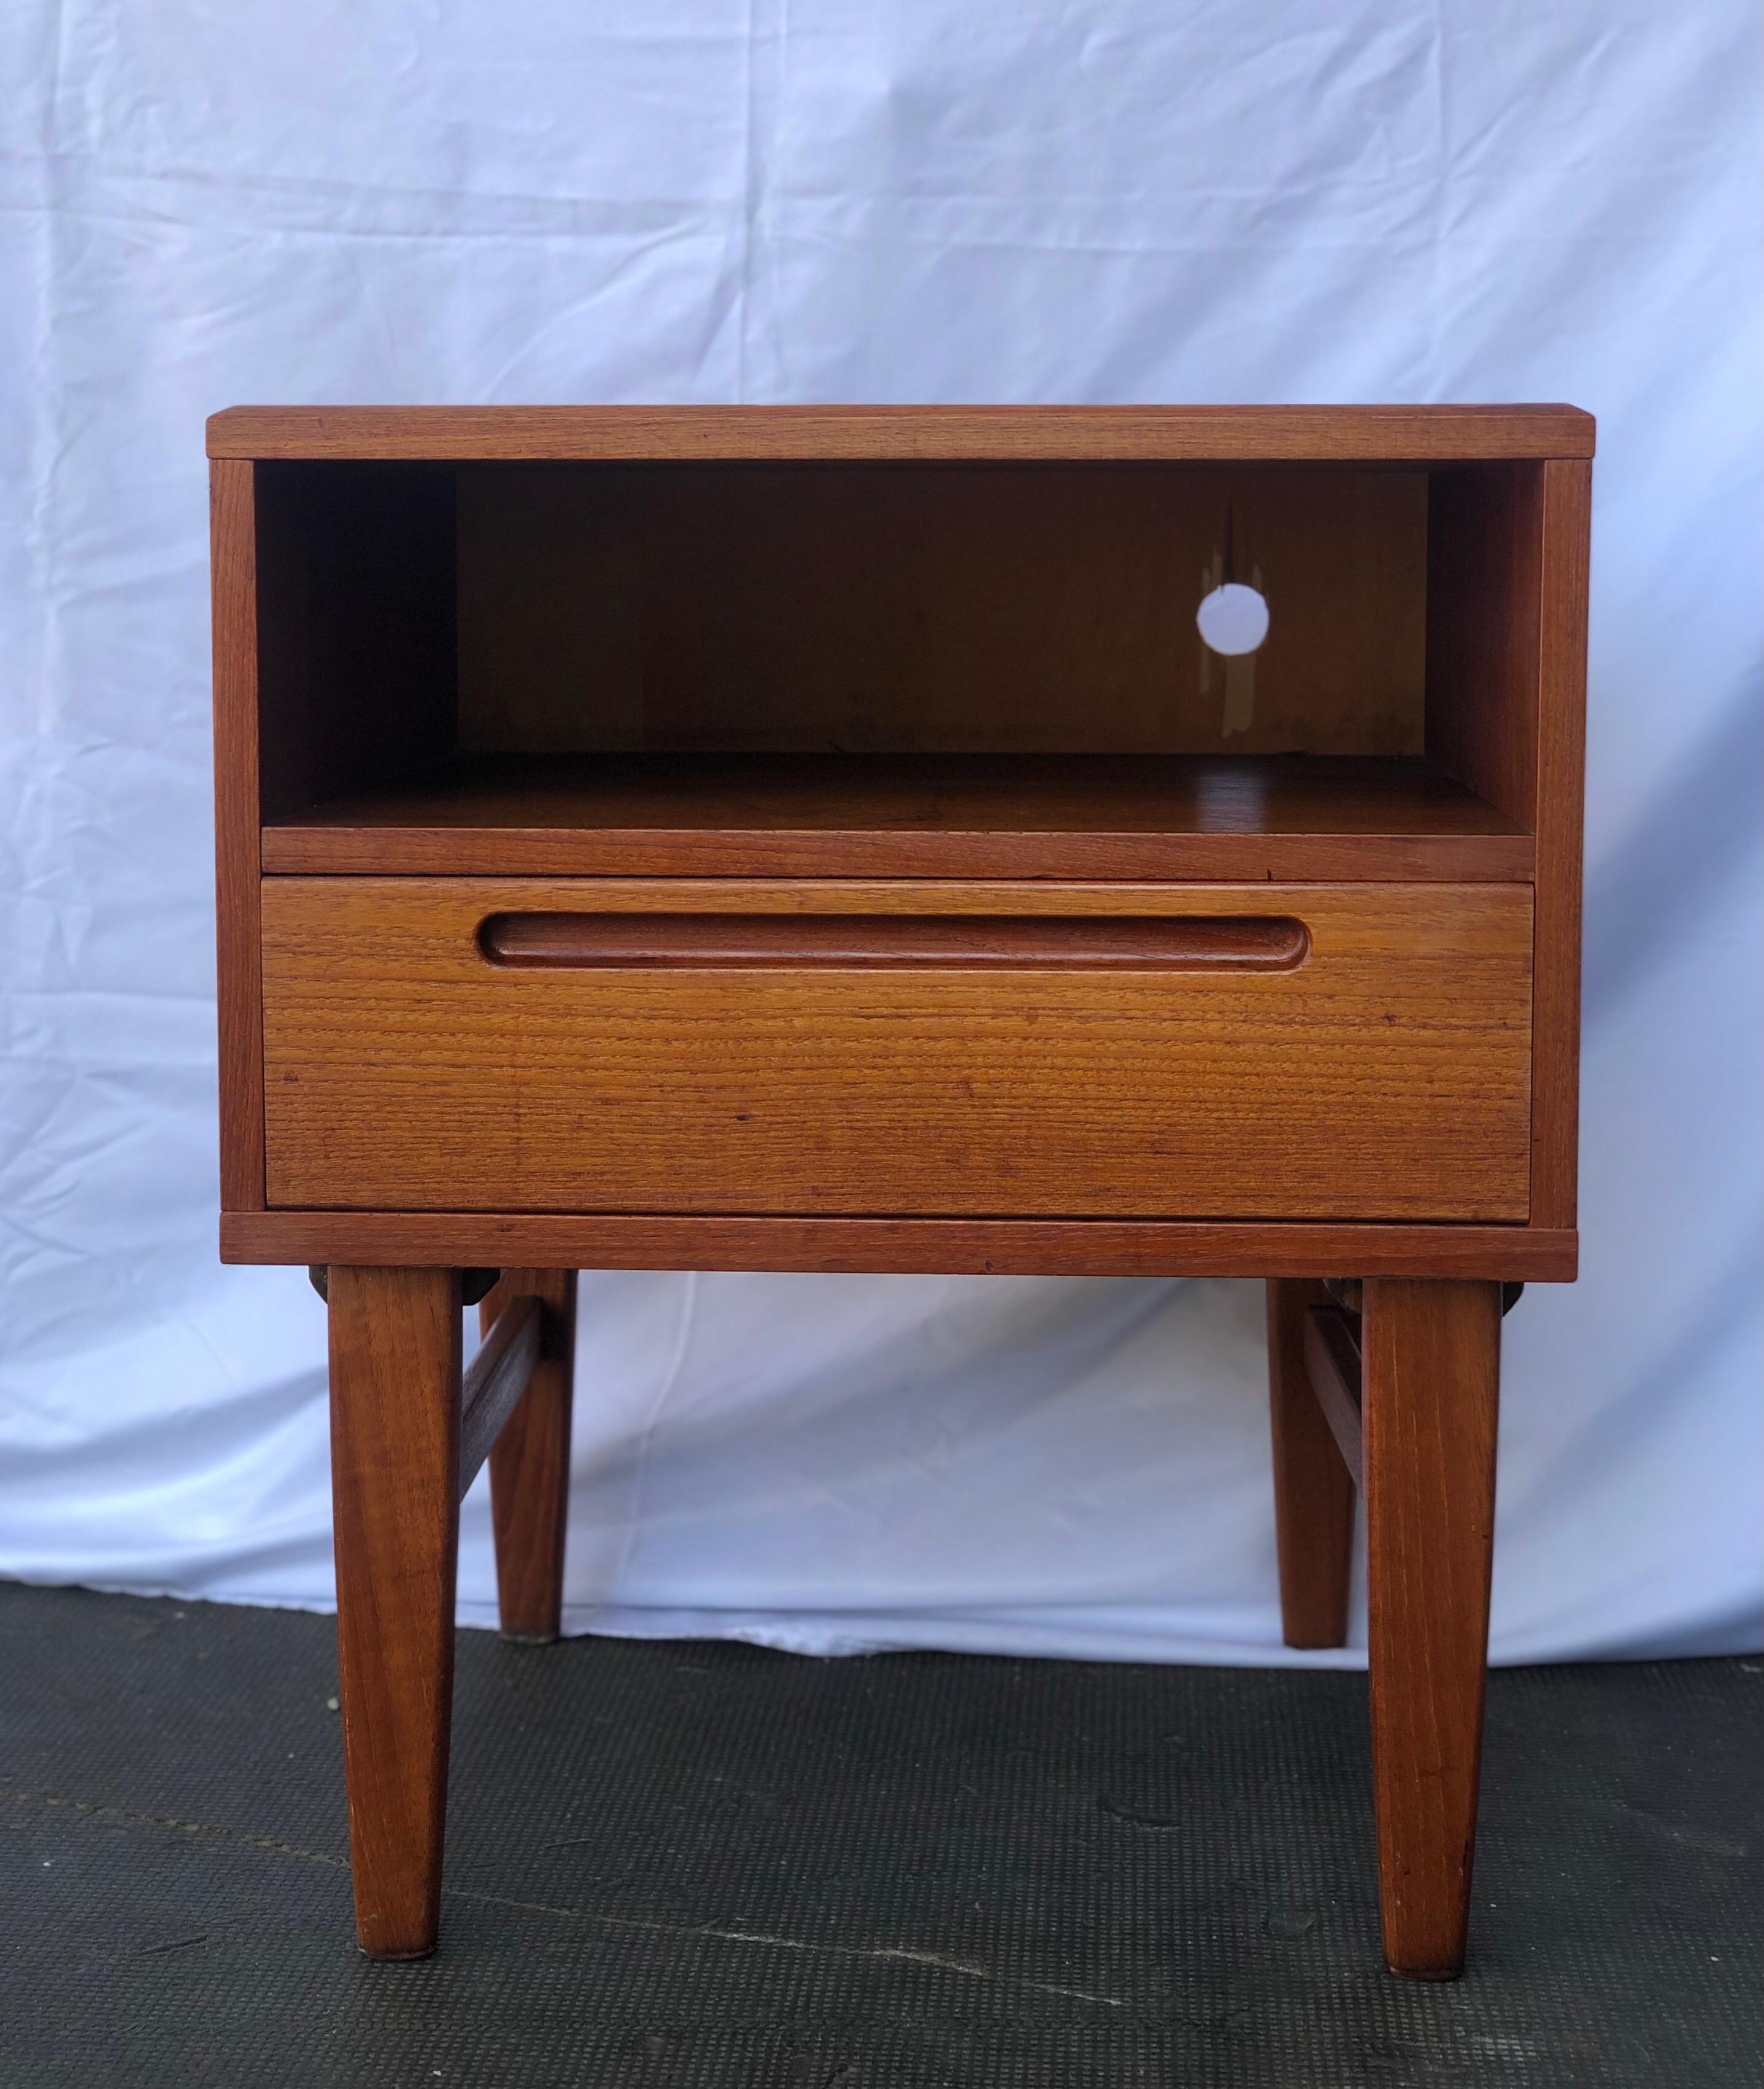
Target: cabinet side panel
x: 238, y: 944
x: 1484, y: 534
x: 1567, y: 529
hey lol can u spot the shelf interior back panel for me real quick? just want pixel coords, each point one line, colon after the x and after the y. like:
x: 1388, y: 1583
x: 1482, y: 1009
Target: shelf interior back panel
x: 895, y: 609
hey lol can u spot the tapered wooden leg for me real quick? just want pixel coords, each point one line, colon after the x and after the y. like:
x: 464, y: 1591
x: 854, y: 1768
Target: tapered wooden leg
x: 1313, y: 1493
x: 1429, y: 1395
x: 396, y: 1340
x: 529, y: 1468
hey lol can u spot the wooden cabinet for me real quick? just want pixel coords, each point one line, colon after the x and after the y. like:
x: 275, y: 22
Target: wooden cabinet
x: 822, y: 838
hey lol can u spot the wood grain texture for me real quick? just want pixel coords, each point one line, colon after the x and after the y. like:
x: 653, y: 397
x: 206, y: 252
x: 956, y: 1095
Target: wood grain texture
x: 233, y: 524
x: 1332, y: 1365
x: 1370, y: 434
x: 1387, y: 1076
x: 1430, y: 1395
x: 802, y: 609
x: 495, y: 1381
x: 394, y: 1452
x: 529, y: 1468
x: 1484, y: 578
x: 979, y: 1247
x: 1566, y: 551
x: 1313, y: 1495
x: 1153, y: 817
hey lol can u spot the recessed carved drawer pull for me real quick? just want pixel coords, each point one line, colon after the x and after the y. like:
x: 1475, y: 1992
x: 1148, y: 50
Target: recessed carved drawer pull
x: 997, y: 942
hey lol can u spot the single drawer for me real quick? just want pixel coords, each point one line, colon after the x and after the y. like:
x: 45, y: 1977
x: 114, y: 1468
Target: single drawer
x: 833, y: 1046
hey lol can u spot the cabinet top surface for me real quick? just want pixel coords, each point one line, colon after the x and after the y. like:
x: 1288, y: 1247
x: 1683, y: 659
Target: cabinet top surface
x: 1198, y: 435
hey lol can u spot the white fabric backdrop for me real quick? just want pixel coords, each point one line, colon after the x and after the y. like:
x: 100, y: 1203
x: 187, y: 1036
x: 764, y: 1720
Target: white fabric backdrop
x: 959, y: 200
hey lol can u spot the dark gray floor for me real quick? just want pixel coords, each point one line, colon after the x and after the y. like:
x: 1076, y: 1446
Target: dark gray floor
x: 682, y: 1864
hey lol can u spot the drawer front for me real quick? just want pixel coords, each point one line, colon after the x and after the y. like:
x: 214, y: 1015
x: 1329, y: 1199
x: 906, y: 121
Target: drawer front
x: 1341, y: 1052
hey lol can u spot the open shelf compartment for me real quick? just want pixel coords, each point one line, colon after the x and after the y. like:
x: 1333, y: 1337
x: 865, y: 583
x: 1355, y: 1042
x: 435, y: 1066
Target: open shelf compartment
x: 917, y: 668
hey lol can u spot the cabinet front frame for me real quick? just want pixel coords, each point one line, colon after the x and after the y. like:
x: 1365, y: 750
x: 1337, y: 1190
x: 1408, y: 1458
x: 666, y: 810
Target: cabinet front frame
x: 1540, y: 695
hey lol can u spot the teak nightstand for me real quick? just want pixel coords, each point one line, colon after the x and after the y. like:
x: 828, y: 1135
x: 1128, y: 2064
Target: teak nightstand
x: 818, y: 839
